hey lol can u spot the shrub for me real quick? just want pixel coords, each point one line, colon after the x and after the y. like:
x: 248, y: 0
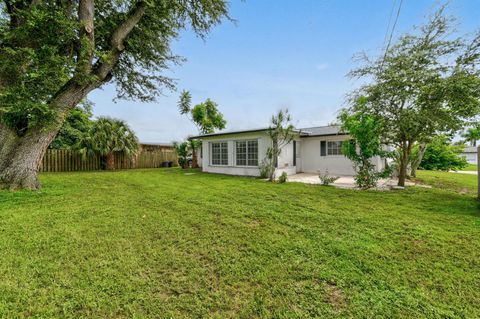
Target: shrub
x: 441, y: 155
x: 326, y: 179
x: 266, y: 169
x: 283, y: 178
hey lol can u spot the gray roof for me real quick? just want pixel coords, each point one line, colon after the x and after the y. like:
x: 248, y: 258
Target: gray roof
x: 470, y: 149
x: 322, y: 130
x: 304, y: 132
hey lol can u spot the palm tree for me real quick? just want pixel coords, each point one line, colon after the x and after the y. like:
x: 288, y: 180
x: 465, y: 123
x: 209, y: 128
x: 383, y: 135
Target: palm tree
x: 108, y: 136
x: 472, y: 135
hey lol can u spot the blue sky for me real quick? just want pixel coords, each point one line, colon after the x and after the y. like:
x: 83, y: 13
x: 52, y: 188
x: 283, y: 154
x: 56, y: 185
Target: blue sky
x: 291, y: 54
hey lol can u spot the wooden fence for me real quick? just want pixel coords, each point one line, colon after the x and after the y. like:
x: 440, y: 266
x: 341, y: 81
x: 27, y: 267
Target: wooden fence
x: 69, y: 161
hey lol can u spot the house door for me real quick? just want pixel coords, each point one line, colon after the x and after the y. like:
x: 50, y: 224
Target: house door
x: 297, y: 160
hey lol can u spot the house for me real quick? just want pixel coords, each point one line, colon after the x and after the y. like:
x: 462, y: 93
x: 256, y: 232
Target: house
x: 470, y: 153
x: 313, y: 150
x: 153, y: 147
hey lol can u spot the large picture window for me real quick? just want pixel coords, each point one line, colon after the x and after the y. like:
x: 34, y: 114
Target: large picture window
x: 247, y: 153
x: 219, y: 153
x: 334, y: 147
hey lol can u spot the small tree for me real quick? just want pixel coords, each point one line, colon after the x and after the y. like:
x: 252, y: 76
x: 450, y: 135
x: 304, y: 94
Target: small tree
x: 108, y: 136
x: 183, y: 152
x: 281, y: 132
x: 365, y: 131
x: 206, y: 117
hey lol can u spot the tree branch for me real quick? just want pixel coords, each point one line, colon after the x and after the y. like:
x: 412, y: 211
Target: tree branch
x: 87, y: 36
x: 103, y: 68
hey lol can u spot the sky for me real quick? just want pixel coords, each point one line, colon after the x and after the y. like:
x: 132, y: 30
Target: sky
x: 291, y: 54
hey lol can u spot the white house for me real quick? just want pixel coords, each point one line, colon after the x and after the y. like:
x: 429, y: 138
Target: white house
x: 470, y: 153
x: 313, y: 150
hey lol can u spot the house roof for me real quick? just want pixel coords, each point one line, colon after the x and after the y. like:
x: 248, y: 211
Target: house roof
x: 157, y: 144
x: 304, y: 132
x: 470, y: 149
x: 322, y: 130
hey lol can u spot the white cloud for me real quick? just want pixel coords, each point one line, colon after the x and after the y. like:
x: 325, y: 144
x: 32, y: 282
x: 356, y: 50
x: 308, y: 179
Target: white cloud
x: 322, y: 66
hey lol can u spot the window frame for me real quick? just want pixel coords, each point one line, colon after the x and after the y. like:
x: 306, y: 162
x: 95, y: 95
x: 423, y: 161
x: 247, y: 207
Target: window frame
x: 246, y: 141
x: 324, y: 148
x: 221, y: 153
x: 338, y: 149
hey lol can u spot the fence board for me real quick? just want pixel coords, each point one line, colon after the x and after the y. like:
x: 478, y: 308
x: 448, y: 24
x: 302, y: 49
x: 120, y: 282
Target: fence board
x: 70, y: 161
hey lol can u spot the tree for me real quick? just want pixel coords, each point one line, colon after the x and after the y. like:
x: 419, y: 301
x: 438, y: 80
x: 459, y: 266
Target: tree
x: 185, y: 152
x: 425, y: 84
x: 281, y: 132
x: 472, y: 135
x: 74, y: 129
x: 440, y: 154
x: 53, y: 53
x: 365, y: 131
x: 108, y: 136
x: 206, y: 117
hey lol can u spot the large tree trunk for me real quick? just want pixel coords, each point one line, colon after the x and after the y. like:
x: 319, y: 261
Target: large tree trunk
x: 20, y: 157
x: 416, y: 163
x: 402, y: 174
x: 110, y: 161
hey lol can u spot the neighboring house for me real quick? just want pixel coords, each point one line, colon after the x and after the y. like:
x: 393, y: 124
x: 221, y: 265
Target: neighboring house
x: 470, y: 153
x: 313, y: 150
x: 151, y: 147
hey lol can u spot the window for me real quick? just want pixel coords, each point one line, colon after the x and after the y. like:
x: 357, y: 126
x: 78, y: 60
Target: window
x: 334, y: 148
x: 219, y: 153
x: 247, y: 153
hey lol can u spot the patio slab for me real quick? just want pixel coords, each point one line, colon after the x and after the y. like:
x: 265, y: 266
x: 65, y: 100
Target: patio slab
x: 343, y: 181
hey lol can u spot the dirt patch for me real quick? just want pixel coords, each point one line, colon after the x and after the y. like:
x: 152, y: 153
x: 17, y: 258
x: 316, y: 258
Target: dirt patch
x: 335, y: 296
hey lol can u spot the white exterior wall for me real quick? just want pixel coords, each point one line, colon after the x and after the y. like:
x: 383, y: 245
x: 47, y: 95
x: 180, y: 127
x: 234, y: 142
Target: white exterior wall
x: 263, y: 143
x: 471, y: 157
x: 312, y: 162
x: 308, y: 159
x: 285, y: 161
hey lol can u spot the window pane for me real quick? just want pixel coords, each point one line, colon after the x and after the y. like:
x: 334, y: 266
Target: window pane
x: 224, y: 153
x: 219, y: 153
x: 252, y: 153
x: 334, y: 147
x: 241, y: 153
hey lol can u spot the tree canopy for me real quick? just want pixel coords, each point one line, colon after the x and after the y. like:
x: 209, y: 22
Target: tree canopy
x: 427, y: 83
x: 53, y: 53
x: 205, y: 116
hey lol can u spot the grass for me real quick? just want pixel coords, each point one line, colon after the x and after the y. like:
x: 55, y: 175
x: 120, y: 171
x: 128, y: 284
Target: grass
x: 162, y: 244
x: 470, y: 167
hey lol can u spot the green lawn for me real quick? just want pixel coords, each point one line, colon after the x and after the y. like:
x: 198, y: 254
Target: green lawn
x: 162, y: 244
x: 470, y: 167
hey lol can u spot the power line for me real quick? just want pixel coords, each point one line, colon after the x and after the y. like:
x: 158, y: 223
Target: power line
x: 393, y: 29
x: 389, y: 22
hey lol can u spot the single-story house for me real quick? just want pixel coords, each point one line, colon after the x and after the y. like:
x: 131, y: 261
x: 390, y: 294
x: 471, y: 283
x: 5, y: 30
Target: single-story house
x: 470, y: 153
x: 313, y: 150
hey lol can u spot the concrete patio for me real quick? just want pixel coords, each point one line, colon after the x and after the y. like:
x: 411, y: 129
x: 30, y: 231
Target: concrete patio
x: 343, y: 181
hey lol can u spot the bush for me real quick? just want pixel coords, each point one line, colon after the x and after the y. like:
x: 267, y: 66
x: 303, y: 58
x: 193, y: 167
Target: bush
x: 266, y: 169
x: 283, y: 178
x: 443, y: 156
x: 326, y: 179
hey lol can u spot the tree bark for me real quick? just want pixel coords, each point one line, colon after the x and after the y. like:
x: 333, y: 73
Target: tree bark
x: 110, y: 161
x: 194, y: 159
x: 416, y: 163
x: 402, y: 174
x: 20, y: 158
